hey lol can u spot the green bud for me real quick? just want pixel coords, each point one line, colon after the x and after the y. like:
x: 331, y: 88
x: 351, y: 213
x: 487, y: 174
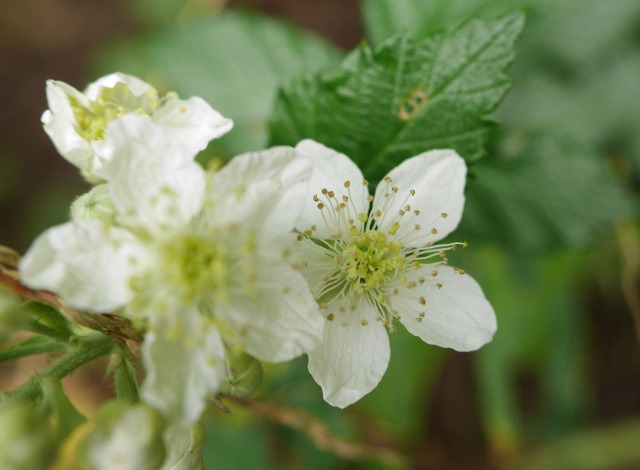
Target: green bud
x: 11, y: 316
x: 244, y: 374
x: 126, y: 437
x: 95, y: 205
x: 184, y: 447
x: 26, y: 439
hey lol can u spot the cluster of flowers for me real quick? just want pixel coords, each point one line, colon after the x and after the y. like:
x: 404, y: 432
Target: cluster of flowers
x: 279, y: 253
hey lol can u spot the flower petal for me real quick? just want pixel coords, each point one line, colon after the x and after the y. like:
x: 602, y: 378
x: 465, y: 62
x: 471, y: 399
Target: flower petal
x: 352, y: 358
x: 153, y: 179
x: 192, y: 121
x: 331, y: 170
x: 138, y: 87
x: 260, y: 191
x: 280, y: 321
x: 87, y: 263
x: 456, y: 313
x: 59, y: 121
x: 438, y: 179
x: 184, y: 360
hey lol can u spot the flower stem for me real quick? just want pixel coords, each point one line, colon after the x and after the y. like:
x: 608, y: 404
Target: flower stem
x: 86, y: 350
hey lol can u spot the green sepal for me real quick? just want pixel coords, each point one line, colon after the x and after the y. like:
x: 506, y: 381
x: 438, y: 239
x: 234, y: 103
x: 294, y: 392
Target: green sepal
x: 244, y: 374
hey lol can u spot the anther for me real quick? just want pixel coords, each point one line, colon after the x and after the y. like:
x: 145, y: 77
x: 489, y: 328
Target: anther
x: 443, y: 215
x: 412, y: 192
x: 347, y: 184
x: 387, y: 179
x: 330, y: 317
x: 434, y: 231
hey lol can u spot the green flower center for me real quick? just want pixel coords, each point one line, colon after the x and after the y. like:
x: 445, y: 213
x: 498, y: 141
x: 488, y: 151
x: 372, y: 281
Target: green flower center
x: 369, y: 260
x: 112, y: 103
x: 196, y: 266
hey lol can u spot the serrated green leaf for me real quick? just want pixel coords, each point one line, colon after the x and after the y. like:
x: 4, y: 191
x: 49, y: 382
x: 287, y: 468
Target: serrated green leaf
x: 234, y: 60
x: 405, y: 97
x: 384, y: 18
x: 552, y: 192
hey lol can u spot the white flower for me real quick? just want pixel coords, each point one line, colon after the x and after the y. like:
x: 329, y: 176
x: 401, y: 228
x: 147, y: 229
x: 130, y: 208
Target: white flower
x: 77, y: 122
x: 197, y: 260
x: 372, y: 260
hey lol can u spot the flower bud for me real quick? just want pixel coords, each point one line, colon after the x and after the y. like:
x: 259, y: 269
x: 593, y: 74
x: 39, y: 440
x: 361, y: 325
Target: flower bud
x: 244, y: 374
x: 126, y: 437
x: 184, y: 447
x: 11, y: 318
x: 96, y: 205
x: 25, y: 441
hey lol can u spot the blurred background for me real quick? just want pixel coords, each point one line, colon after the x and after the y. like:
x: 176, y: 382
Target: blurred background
x: 552, y: 216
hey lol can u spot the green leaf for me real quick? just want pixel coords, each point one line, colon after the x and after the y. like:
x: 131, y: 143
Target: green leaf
x: 384, y: 18
x: 124, y: 376
x: 405, y: 97
x: 603, y: 448
x: 548, y: 192
x: 31, y: 346
x: 234, y: 60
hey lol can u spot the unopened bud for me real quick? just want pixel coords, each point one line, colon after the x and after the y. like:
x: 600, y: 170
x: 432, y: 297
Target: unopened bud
x: 184, y: 447
x: 26, y: 439
x: 95, y: 205
x: 244, y: 374
x: 126, y: 437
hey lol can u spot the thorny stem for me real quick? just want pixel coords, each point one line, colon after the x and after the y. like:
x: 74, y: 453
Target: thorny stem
x: 87, y: 350
x: 321, y: 435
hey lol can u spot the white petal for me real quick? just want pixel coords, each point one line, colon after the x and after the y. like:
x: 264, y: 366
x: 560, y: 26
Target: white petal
x: 331, y: 170
x: 59, y: 123
x: 351, y: 359
x: 438, y: 179
x: 184, y: 360
x: 87, y: 263
x: 153, y: 180
x: 192, y: 121
x: 138, y: 87
x: 260, y: 191
x: 456, y: 315
x: 281, y: 321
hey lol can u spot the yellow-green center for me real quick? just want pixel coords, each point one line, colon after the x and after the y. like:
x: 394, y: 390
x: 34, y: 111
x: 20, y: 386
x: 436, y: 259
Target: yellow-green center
x: 112, y: 103
x: 370, y: 260
x: 196, y: 266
